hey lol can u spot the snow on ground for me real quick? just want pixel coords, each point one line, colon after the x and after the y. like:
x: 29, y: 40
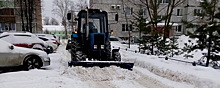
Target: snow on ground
x: 177, y: 68
x: 148, y: 72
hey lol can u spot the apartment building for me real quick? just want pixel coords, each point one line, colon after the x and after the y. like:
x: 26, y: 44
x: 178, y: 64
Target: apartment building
x: 186, y: 10
x: 10, y: 16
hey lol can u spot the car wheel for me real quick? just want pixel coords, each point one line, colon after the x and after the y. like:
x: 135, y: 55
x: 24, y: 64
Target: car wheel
x: 51, y: 49
x: 32, y: 62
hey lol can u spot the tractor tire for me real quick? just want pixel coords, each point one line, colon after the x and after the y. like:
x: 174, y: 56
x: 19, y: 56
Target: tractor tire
x: 108, y: 51
x: 76, y: 54
x: 116, y: 56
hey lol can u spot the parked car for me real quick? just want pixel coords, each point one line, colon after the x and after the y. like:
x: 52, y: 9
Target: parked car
x: 50, y: 36
x: 11, y: 55
x: 25, y: 39
x: 51, y: 43
x: 113, y: 38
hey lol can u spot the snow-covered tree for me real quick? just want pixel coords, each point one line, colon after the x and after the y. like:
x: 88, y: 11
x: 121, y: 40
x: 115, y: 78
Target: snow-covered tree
x: 61, y: 9
x: 54, y: 21
x: 158, y: 39
x: 46, y: 21
x: 208, y: 32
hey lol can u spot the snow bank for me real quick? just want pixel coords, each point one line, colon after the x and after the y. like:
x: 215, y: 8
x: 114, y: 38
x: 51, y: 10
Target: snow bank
x: 200, y: 77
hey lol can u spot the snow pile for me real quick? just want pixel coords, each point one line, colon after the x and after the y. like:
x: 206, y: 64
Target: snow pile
x: 179, y: 69
x: 101, y: 74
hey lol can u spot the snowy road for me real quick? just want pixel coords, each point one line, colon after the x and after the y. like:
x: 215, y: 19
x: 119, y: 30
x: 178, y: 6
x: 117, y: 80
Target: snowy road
x: 58, y: 75
x: 144, y: 75
x: 109, y: 77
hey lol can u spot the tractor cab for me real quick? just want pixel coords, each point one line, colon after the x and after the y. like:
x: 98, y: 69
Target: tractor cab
x: 93, y: 21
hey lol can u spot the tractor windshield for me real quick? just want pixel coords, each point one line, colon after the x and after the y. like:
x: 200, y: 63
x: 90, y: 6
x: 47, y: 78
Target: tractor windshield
x: 96, y: 23
x: 93, y: 25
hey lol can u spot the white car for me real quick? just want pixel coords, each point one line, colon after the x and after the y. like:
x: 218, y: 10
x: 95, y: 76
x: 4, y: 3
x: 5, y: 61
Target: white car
x: 50, y: 36
x: 11, y: 56
x: 51, y: 43
x: 24, y: 39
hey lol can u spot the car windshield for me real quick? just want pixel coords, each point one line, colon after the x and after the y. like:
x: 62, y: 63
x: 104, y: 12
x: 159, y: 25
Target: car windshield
x: 113, y: 39
x: 44, y: 39
x: 47, y: 36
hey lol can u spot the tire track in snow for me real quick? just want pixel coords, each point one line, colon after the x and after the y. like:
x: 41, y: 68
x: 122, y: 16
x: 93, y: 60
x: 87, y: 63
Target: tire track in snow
x: 150, y: 82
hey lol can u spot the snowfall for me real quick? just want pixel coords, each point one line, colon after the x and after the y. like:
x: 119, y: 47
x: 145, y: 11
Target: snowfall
x: 148, y: 72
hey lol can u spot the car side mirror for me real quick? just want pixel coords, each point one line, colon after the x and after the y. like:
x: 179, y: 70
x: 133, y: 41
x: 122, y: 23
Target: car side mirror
x: 69, y: 16
x: 11, y: 47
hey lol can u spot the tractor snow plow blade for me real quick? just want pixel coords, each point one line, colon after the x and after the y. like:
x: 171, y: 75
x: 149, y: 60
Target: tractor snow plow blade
x: 102, y: 64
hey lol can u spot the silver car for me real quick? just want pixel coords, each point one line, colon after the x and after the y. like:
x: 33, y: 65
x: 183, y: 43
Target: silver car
x: 11, y: 55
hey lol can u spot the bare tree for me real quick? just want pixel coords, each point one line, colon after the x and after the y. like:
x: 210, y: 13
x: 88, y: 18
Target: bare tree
x: 26, y: 11
x: 61, y: 9
x: 54, y: 21
x: 46, y: 21
x: 82, y: 4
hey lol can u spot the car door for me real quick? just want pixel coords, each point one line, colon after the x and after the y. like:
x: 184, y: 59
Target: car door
x: 8, y: 57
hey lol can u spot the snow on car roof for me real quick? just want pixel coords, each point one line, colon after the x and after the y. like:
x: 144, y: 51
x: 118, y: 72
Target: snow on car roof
x: 50, y: 36
x: 16, y: 38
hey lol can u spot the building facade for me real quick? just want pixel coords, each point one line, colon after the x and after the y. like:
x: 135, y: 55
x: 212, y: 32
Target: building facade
x: 10, y: 16
x: 187, y: 10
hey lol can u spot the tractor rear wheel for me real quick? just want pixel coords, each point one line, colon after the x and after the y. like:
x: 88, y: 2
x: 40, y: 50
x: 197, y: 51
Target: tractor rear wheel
x: 76, y: 54
x: 108, y: 51
x: 116, y: 56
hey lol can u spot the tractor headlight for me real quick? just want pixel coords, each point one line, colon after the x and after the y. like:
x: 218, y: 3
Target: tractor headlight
x: 102, y: 46
x: 95, y: 47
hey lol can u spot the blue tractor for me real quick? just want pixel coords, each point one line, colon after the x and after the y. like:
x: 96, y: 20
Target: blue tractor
x: 89, y: 45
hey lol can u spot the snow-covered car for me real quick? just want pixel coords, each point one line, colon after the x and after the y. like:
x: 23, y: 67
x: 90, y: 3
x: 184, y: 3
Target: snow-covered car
x: 50, y: 36
x: 24, y: 39
x: 51, y: 43
x: 11, y: 55
x: 113, y: 38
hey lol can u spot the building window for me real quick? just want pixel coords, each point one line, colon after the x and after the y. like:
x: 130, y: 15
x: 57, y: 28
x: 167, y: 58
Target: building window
x: 123, y: 27
x: 160, y: 17
x: 143, y: 11
x: 118, y: 7
x: 128, y: 11
x: 127, y: 27
x: 163, y: 1
x: 113, y: 7
x: 179, y: 12
x: 179, y: 28
x: 197, y: 12
x: 7, y: 26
